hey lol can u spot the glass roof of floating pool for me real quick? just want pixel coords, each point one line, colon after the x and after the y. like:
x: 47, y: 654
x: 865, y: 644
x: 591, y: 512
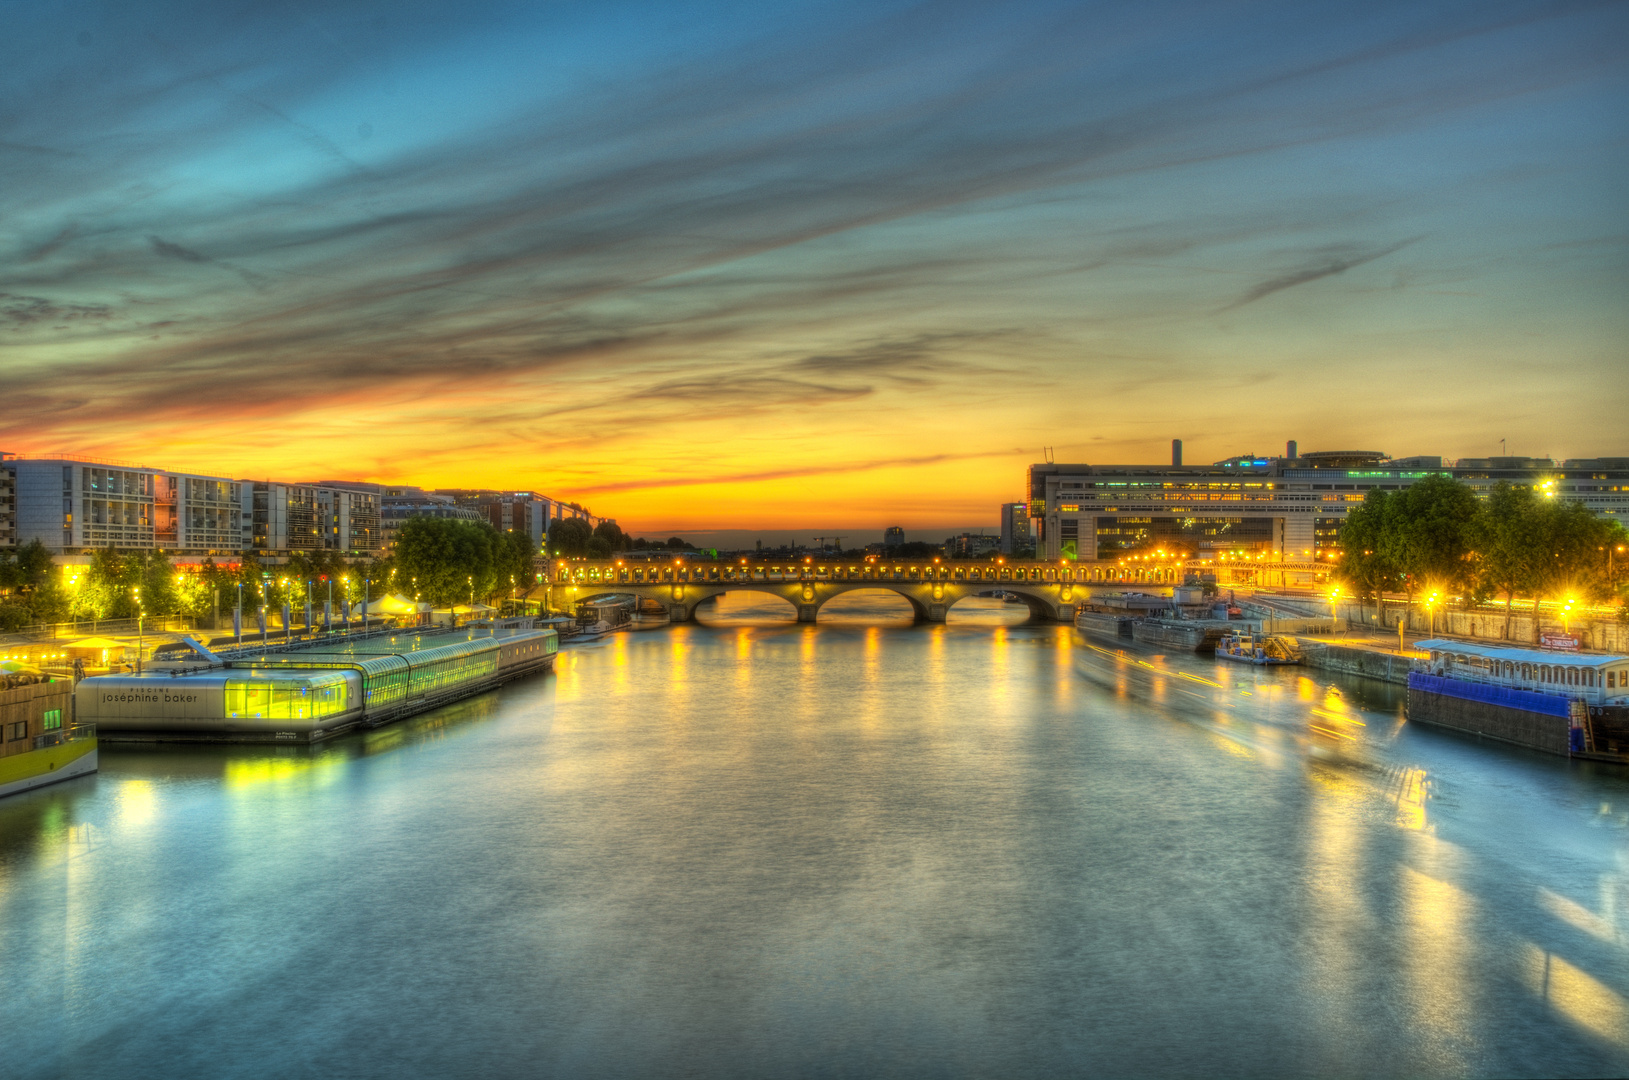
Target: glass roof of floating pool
x: 402, y: 641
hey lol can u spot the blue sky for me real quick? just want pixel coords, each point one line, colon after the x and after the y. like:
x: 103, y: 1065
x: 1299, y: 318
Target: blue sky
x: 751, y: 266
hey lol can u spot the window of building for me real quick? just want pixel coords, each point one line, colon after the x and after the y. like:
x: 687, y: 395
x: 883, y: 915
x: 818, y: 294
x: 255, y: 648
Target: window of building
x: 52, y: 719
x: 17, y: 731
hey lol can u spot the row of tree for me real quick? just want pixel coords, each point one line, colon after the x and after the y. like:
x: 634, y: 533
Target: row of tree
x: 1517, y: 543
x: 573, y: 539
x: 439, y: 560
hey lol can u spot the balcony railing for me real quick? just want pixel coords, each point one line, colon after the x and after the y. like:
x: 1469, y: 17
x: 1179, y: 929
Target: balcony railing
x: 78, y: 733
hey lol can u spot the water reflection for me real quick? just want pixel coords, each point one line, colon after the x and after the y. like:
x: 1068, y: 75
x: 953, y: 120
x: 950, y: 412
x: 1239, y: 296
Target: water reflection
x: 748, y: 846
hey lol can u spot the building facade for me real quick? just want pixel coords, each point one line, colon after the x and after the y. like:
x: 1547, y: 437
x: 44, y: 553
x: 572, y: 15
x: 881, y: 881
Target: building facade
x: 1014, y: 527
x: 1285, y: 509
x: 71, y: 505
x: 971, y: 546
x: 8, y: 503
x: 287, y: 519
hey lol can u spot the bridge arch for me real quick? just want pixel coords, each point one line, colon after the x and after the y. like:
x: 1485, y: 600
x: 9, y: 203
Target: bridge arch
x: 695, y: 607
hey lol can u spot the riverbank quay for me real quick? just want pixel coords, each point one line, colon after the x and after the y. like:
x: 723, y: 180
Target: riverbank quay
x: 305, y: 694
x: 1597, y: 629
x: 1368, y: 661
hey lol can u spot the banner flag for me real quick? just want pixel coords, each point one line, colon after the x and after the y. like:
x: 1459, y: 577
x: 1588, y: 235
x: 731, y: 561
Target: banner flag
x: 327, y: 614
x: 308, y: 614
x: 260, y: 617
x: 237, y: 623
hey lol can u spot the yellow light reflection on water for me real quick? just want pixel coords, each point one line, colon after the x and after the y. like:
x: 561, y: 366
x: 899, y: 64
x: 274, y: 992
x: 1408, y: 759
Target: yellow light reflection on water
x: 1577, y: 915
x: 1436, y: 923
x: 245, y: 773
x: 1577, y: 995
x: 1412, y: 792
x: 137, y: 802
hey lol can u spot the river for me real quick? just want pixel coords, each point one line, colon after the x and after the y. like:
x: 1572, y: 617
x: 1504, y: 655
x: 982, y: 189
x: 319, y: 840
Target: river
x: 750, y: 847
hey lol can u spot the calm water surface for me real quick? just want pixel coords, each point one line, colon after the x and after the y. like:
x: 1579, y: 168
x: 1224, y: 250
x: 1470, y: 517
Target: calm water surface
x: 753, y: 848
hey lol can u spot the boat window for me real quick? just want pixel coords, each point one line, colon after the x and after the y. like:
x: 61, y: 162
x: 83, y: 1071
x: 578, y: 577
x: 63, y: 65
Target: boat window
x: 1611, y: 679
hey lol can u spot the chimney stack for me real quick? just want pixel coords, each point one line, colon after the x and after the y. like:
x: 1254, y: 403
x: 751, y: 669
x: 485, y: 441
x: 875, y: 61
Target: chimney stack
x: 1176, y: 451
x: 1289, y: 450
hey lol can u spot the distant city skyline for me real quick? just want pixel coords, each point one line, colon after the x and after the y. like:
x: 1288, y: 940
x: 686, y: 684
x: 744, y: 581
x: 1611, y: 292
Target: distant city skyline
x: 750, y: 269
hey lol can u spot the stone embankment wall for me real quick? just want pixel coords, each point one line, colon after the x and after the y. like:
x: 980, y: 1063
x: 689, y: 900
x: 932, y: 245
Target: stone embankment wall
x: 1603, y: 635
x: 1518, y: 727
x: 1351, y: 660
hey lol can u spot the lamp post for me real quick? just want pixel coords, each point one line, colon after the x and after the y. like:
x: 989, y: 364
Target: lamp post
x: 141, y: 641
x: 365, y: 584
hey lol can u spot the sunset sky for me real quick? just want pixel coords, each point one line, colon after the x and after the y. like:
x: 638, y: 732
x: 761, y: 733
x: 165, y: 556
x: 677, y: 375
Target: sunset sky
x: 783, y: 266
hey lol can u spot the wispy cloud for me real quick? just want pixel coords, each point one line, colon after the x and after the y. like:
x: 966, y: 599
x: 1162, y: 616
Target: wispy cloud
x: 897, y: 223
x: 1326, y: 265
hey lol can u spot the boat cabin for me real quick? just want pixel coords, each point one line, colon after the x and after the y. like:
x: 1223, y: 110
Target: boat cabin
x: 1599, y: 680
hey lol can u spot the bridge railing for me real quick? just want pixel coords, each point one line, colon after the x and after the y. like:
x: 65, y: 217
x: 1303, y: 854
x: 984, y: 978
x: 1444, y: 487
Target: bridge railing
x: 609, y: 572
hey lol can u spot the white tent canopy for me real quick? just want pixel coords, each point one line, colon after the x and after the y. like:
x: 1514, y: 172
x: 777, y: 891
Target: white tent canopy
x: 394, y: 605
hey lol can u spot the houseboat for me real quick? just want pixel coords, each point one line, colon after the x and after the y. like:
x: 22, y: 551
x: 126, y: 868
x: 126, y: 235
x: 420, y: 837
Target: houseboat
x: 39, y: 743
x: 1575, y: 704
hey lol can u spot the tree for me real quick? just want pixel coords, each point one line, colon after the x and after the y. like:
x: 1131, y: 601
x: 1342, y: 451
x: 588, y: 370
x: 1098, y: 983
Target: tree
x: 448, y: 560
x: 1571, y: 560
x: 1364, y: 565
x: 612, y: 534
x: 1505, y: 538
x: 1427, y: 533
x: 569, y: 537
x: 678, y: 543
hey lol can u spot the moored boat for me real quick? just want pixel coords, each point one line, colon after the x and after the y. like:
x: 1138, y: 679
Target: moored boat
x: 1567, y: 703
x: 39, y: 743
x: 1262, y: 650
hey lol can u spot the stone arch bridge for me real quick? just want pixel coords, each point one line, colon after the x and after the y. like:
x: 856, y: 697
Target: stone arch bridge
x: 1052, y: 591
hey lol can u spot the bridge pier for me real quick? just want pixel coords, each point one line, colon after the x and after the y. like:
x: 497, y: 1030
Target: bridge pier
x: 806, y: 612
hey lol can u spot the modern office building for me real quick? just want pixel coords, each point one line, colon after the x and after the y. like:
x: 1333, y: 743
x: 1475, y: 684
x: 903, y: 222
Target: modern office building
x: 350, y: 519
x: 1014, y: 527
x: 8, y: 503
x: 72, y: 505
x: 971, y: 546
x: 1286, y: 509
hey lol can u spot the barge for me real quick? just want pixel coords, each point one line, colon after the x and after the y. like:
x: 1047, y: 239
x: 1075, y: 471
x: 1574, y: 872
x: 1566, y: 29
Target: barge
x: 1193, y: 635
x: 1104, y: 622
x: 1570, y: 704
x: 304, y: 694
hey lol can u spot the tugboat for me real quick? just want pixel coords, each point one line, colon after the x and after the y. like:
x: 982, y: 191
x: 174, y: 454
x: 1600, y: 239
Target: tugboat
x: 1263, y: 650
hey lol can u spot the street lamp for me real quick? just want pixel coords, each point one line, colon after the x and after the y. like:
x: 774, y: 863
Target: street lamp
x: 140, y: 638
